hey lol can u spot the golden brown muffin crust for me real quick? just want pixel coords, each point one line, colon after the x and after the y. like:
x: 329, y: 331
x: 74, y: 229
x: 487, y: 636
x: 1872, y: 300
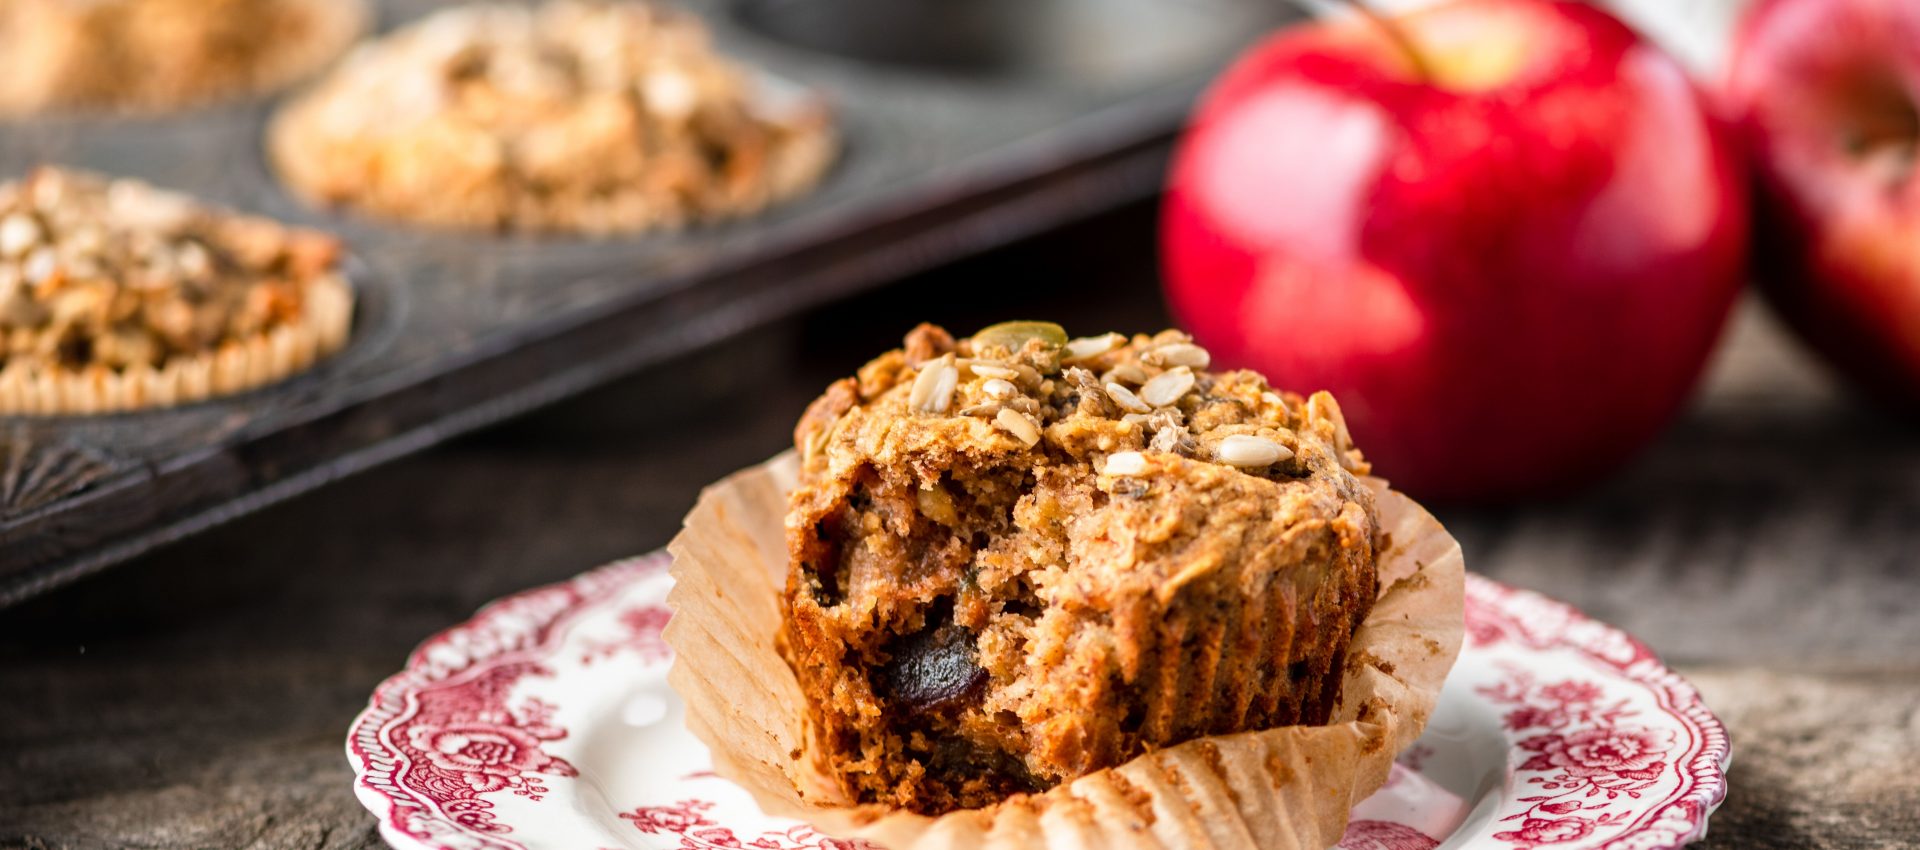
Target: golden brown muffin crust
x: 161, y: 54
x: 115, y: 295
x: 571, y: 115
x: 1017, y: 559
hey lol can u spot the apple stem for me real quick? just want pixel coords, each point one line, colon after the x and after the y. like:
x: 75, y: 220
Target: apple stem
x: 1387, y: 26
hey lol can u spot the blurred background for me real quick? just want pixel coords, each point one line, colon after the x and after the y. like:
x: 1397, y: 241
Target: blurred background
x: 1743, y: 495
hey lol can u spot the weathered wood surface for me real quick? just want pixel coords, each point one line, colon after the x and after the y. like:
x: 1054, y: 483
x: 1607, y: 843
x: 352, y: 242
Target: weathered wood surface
x: 198, y: 697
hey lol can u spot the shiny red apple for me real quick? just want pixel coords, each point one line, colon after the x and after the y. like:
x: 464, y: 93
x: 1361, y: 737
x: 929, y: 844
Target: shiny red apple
x: 1506, y: 238
x: 1825, y: 93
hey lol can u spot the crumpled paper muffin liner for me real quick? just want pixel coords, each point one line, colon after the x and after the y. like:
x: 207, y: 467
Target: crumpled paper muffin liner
x: 326, y: 319
x: 1276, y: 789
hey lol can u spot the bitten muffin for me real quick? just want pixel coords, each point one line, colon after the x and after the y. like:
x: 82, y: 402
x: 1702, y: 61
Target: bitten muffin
x: 115, y: 295
x: 592, y: 117
x: 160, y: 54
x: 1016, y: 559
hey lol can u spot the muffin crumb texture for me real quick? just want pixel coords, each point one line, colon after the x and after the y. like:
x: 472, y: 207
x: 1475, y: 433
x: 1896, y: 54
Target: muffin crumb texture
x: 575, y: 115
x: 1019, y: 558
x: 116, y: 295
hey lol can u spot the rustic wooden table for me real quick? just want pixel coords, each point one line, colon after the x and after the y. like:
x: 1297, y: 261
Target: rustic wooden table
x: 1769, y: 546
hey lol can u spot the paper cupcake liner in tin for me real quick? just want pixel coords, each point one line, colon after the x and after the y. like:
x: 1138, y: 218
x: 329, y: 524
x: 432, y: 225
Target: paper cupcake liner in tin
x: 326, y: 319
x: 1289, y: 787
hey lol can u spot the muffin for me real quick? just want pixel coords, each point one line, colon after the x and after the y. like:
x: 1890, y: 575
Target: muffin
x: 589, y: 117
x: 115, y: 295
x: 1017, y: 559
x: 162, y: 54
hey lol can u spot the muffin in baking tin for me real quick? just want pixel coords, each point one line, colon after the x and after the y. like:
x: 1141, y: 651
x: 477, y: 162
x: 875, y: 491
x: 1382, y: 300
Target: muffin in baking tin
x: 574, y: 116
x: 1016, y: 559
x: 115, y: 295
x: 152, y: 55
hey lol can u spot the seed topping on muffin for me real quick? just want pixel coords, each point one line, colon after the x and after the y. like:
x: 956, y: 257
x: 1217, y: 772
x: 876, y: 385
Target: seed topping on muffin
x: 574, y: 115
x: 64, y: 55
x: 115, y: 295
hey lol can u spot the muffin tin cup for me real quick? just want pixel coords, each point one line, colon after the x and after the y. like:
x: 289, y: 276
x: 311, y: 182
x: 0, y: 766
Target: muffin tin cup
x: 456, y: 330
x: 256, y: 361
x: 1289, y: 787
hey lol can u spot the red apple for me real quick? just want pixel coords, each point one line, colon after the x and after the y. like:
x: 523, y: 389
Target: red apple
x: 1506, y: 240
x: 1825, y: 94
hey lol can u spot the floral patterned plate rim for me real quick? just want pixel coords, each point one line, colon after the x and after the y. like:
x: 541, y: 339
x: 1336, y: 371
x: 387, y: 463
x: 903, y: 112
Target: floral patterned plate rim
x: 546, y: 722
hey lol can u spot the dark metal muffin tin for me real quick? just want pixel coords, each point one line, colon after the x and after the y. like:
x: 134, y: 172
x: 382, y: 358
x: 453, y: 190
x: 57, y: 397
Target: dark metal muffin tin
x: 966, y: 123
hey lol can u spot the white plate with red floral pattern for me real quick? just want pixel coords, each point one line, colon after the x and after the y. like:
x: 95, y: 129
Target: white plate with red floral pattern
x: 545, y: 722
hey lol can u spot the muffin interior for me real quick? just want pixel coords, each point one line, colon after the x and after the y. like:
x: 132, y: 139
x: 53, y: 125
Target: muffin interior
x: 925, y: 672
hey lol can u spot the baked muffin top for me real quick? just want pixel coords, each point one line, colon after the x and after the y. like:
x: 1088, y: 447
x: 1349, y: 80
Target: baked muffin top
x: 114, y: 273
x: 161, y: 54
x: 572, y: 115
x: 1133, y: 407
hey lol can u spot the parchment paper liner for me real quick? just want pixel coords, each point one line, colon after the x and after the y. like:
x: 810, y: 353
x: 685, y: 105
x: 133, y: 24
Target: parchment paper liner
x: 325, y: 319
x: 1277, y: 789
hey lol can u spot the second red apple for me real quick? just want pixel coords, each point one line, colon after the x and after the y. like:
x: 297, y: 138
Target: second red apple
x: 1828, y: 96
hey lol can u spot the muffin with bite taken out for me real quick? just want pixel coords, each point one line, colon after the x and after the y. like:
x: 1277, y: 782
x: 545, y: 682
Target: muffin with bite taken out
x: 1019, y: 558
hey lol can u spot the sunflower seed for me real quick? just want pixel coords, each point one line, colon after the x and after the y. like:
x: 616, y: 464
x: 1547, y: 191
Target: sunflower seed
x: 1127, y: 400
x: 669, y: 94
x: 194, y: 260
x: 943, y: 390
x: 144, y: 207
x: 988, y: 370
x: 1125, y: 373
x: 1093, y: 346
x: 1137, y: 418
x: 1178, y: 354
x: 1167, y: 387
x: 933, y: 389
x: 1322, y: 406
x: 1000, y: 389
x: 1250, y: 452
x: 1125, y: 463
x: 47, y: 188
x: 83, y: 241
x: 1019, y: 426
x: 40, y: 265
x: 18, y: 232
x: 986, y: 410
